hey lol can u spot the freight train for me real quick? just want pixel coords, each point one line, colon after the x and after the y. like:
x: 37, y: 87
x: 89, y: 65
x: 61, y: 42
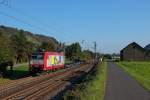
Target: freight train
x: 45, y: 61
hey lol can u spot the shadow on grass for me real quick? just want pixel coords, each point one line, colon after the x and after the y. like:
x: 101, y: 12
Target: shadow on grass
x: 22, y: 72
x: 16, y: 74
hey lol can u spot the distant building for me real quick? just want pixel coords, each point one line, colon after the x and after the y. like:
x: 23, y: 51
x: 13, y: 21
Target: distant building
x: 134, y: 52
x: 147, y: 47
x: 115, y: 56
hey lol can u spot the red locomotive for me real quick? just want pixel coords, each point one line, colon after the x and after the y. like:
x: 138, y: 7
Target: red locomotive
x: 44, y: 61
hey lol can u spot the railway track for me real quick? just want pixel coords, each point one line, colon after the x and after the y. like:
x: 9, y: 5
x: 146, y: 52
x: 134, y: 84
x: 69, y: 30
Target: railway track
x: 36, y: 88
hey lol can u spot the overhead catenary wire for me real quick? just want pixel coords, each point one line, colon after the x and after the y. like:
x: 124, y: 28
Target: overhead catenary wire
x: 5, y: 2
x: 89, y: 45
x: 22, y: 21
x: 41, y: 23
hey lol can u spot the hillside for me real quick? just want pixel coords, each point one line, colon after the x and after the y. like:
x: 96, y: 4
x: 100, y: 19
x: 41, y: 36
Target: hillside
x: 35, y: 38
x: 18, y: 45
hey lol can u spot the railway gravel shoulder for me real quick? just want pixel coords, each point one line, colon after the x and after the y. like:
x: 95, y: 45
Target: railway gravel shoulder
x: 46, y: 85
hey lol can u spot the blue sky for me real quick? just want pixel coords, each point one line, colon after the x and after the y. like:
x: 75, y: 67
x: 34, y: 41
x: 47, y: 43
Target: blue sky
x: 111, y: 23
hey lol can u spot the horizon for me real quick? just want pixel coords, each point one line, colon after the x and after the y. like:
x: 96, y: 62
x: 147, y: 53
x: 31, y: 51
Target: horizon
x: 113, y: 25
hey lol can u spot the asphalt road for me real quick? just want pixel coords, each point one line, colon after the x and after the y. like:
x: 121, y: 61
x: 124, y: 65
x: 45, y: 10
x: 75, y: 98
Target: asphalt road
x: 120, y: 86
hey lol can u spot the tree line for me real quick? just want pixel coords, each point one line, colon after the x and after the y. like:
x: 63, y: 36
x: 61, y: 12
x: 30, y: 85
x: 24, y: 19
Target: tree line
x: 74, y: 52
x: 17, y: 48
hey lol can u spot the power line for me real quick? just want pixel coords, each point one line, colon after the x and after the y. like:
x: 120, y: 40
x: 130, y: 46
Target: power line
x: 89, y: 45
x: 22, y: 21
x: 95, y: 47
x: 35, y: 20
x: 43, y: 26
x: 29, y: 16
x: 5, y: 2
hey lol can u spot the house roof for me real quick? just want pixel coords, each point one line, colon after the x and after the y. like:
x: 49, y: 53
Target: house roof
x: 135, y: 45
x: 147, y: 47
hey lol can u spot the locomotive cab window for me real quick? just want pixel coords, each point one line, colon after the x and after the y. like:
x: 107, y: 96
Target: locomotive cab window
x: 37, y: 59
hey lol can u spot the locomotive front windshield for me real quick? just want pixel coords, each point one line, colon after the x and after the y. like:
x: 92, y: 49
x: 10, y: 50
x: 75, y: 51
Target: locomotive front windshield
x: 37, y: 59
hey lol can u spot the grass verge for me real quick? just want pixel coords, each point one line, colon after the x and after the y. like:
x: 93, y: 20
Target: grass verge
x: 68, y: 61
x: 139, y: 71
x: 4, y: 81
x: 91, y: 88
x: 18, y: 72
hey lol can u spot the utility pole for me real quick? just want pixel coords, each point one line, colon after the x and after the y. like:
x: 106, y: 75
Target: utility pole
x: 64, y: 48
x: 95, y: 47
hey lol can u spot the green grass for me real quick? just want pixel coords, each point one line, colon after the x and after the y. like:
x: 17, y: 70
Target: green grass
x: 68, y: 61
x: 4, y: 81
x: 92, y: 87
x: 18, y: 72
x: 139, y: 71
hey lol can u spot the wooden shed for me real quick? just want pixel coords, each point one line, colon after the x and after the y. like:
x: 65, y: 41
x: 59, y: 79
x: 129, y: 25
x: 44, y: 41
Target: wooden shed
x: 133, y: 52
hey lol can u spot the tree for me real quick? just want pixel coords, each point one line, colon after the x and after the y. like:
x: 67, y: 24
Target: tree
x: 48, y: 46
x: 76, y: 48
x: 108, y: 56
x: 73, y: 51
x: 5, y: 50
x: 86, y: 55
x: 29, y: 49
x: 6, y: 56
x: 68, y: 52
x: 19, y: 44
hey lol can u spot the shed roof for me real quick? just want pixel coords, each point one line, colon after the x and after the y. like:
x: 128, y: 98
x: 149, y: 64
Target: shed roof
x: 134, y: 44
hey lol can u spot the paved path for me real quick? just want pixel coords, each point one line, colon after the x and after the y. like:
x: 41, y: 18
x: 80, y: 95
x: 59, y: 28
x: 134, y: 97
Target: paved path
x: 120, y: 86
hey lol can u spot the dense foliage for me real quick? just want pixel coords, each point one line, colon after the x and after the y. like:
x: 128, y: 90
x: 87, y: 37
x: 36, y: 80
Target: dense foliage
x: 5, y: 51
x: 18, y: 45
x: 74, y: 52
